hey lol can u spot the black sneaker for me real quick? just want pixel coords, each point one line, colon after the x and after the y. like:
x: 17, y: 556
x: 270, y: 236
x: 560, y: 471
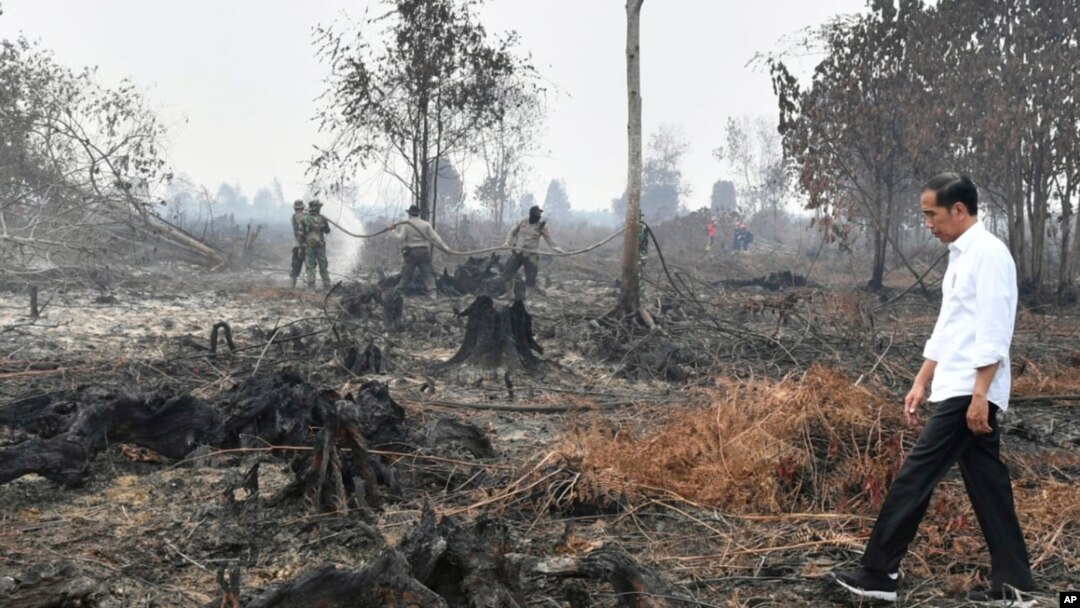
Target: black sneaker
x: 868, y: 583
x: 1011, y: 597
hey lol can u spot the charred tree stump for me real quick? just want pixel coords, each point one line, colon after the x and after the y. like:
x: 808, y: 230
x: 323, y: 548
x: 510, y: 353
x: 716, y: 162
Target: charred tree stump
x: 171, y: 426
x: 635, y: 585
x: 276, y: 410
x: 386, y: 582
x: 497, y: 337
x: 449, y: 285
x: 339, y: 472
x: 368, y: 360
x: 467, y: 566
x: 250, y: 486
x: 359, y: 300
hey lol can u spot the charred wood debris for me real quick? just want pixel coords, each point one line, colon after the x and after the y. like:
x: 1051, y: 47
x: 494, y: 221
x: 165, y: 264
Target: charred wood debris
x: 346, y: 457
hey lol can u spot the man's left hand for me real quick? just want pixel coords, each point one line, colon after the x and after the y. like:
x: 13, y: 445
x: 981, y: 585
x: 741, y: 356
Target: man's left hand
x: 978, y: 416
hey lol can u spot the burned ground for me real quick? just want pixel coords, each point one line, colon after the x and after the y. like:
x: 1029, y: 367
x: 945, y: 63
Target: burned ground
x: 731, y: 457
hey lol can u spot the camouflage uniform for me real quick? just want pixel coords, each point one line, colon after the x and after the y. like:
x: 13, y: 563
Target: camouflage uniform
x: 298, y: 253
x: 314, y: 226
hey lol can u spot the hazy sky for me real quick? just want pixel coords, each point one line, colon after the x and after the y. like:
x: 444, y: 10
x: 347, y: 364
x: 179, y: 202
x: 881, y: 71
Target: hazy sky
x: 237, y: 79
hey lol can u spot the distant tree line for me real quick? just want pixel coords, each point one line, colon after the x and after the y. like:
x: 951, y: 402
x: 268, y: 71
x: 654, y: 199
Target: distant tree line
x: 985, y: 87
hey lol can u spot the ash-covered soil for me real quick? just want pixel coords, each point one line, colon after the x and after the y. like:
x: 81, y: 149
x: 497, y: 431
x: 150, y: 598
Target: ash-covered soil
x: 142, y: 529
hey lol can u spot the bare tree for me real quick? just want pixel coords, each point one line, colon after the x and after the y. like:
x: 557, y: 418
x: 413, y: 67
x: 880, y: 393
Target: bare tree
x: 79, y: 165
x: 755, y: 153
x: 421, y: 95
x: 663, y: 188
x: 506, y: 145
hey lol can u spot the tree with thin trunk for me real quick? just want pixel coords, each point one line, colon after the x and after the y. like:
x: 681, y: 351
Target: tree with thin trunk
x: 852, y: 133
x: 505, y: 147
x: 629, y: 299
x: 427, y: 90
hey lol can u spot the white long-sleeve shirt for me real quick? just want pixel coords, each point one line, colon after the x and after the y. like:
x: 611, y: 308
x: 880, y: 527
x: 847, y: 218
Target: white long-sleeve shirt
x: 975, y: 325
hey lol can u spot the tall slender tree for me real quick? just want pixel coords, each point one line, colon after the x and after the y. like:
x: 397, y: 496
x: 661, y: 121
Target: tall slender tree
x: 629, y: 298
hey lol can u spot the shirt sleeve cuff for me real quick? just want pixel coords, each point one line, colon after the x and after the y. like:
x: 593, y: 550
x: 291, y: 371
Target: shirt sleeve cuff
x: 986, y: 356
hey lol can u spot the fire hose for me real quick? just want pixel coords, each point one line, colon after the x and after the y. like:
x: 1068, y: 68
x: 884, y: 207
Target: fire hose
x: 480, y: 251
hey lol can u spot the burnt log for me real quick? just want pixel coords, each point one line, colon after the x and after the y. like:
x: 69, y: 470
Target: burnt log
x: 51, y: 414
x: 386, y: 582
x: 497, y: 337
x: 440, y: 564
x: 171, y: 426
x: 59, y: 459
x: 635, y: 585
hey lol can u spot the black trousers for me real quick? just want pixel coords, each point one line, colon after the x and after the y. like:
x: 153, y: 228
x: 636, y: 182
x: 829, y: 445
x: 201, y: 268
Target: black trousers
x: 945, y: 440
x: 516, y: 261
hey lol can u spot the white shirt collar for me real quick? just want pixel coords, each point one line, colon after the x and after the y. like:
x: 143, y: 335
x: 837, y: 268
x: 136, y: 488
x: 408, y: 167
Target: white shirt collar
x: 965, y: 240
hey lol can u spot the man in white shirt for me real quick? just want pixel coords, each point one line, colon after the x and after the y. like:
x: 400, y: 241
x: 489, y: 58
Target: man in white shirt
x: 417, y: 236
x: 966, y: 364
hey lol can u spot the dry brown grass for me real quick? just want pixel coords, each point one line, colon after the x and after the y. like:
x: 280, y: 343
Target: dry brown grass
x: 812, y: 446
x: 812, y: 442
x: 1058, y: 378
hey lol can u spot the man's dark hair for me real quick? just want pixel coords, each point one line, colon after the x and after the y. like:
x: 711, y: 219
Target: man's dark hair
x: 951, y: 188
